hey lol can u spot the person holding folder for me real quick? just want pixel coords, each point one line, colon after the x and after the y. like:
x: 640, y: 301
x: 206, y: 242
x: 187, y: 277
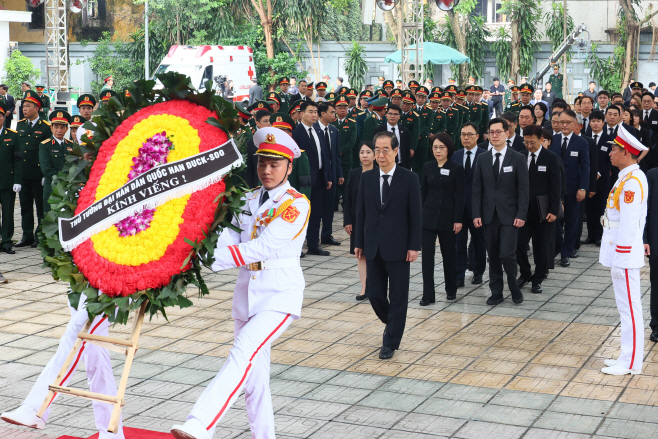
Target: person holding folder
x: 544, y: 208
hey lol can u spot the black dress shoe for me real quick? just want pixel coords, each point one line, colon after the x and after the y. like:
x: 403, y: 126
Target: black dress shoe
x: 330, y: 241
x: 9, y: 251
x: 317, y: 252
x: 598, y: 243
x: 517, y: 298
x: 477, y: 279
x: 495, y: 300
x: 589, y: 241
x: 424, y: 302
x: 522, y: 281
x: 385, y: 353
x: 302, y: 255
x: 536, y: 288
x: 654, y: 336
x: 460, y: 283
x: 361, y: 297
x: 34, y: 244
x: 24, y: 243
x: 451, y: 296
x: 575, y: 254
x: 565, y: 261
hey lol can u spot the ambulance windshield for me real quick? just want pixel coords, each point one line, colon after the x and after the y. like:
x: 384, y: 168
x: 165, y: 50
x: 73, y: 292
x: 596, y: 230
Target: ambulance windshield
x: 191, y: 70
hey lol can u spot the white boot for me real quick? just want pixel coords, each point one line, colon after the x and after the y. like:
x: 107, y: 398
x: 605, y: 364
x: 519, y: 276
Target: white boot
x: 25, y: 416
x: 619, y: 370
x: 192, y: 429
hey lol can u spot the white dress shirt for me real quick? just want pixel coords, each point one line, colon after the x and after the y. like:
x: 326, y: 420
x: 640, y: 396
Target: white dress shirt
x: 536, y: 156
x: 317, y: 143
x: 502, y: 157
x: 389, y: 128
x: 568, y: 139
x: 324, y: 128
x: 381, y: 180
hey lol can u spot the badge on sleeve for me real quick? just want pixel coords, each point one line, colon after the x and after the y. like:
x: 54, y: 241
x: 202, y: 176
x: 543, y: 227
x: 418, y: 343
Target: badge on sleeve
x: 629, y: 196
x: 290, y: 215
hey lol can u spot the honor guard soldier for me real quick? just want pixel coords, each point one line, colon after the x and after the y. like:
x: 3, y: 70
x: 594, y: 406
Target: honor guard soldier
x: 396, y: 97
x: 380, y: 85
x: 421, y: 99
x: 388, y: 87
x: 284, y: 98
x: 108, y: 82
x: 452, y: 92
x: 413, y: 86
x: 45, y: 99
x: 473, y: 111
x: 53, y: 152
x: 352, y: 110
x: 31, y: 132
x: 484, y: 115
x: 460, y: 96
x: 515, y: 105
x: 437, y: 89
x: 76, y: 122
x: 274, y: 101
x: 331, y: 97
x: 364, y: 96
x: 107, y: 95
x: 622, y: 249
x: 526, y: 91
x: 450, y: 123
x: 411, y: 121
x: 321, y: 89
x: 347, y: 134
x: 86, y: 104
x: 268, y: 294
x: 243, y: 118
x: 11, y: 179
x: 425, y: 117
x: 556, y: 80
x: 374, y: 119
x: 436, y: 124
x: 295, y: 112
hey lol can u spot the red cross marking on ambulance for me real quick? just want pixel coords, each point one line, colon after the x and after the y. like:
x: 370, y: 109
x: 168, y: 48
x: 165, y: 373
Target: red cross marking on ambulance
x: 250, y: 73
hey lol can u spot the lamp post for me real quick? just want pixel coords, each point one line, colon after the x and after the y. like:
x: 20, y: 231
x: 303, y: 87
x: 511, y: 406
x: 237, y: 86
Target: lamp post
x: 146, y: 39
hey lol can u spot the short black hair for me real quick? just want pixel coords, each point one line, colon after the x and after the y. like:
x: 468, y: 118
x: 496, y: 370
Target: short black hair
x: 446, y: 140
x: 302, y: 80
x: 260, y: 114
x: 530, y: 108
x: 496, y: 79
x: 390, y: 135
x: 617, y: 95
x: 367, y: 85
x: 647, y: 93
x: 592, y: 82
x: 323, y: 107
x: 561, y: 105
x: 604, y: 93
x: 569, y: 112
x: 500, y: 120
x: 591, y: 99
x: 597, y: 115
x: 472, y: 125
x: 509, y: 117
x: 533, y: 130
x: 546, y: 134
x: 614, y: 107
x: 367, y: 143
x: 340, y: 78
x: 394, y: 107
x: 307, y: 104
x: 543, y: 107
x: 4, y: 86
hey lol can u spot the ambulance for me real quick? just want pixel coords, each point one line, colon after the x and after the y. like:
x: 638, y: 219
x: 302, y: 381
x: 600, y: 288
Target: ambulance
x: 220, y: 64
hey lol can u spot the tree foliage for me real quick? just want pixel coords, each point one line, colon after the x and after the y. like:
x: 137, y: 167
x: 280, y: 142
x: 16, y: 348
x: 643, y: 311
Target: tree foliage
x: 343, y: 22
x: 502, y: 49
x: 18, y: 69
x: 554, y: 20
x: 355, y: 66
x: 525, y: 16
x: 608, y: 72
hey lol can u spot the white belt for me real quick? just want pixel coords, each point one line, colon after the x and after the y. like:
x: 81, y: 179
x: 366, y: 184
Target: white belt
x: 273, y: 263
x: 606, y: 223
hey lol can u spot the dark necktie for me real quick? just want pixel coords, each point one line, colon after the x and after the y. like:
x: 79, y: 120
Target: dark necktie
x: 467, y: 165
x: 533, y: 162
x: 496, y: 166
x: 646, y: 115
x: 509, y: 143
x: 264, y: 197
x: 610, y: 131
x: 596, y: 139
x: 584, y: 125
x: 397, y: 158
x: 326, y: 138
x: 385, y: 187
x: 564, y: 146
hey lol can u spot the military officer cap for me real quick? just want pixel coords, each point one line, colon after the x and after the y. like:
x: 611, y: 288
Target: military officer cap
x: 437, y: 89
x: 388, y: 83
x: 422, y: 90
x: 259, y: 105
x: 381, y: 78
x: 527, y: 88
x: 366, y: 93
x: 274, y: 143
x: 446, y: 95
x: 40, y: 87
x: 396, y: 93
x: 461, y: 94
x: 32, y: 96
x: 580, y: 94
x: 321, y: 86
x: 330, y: 97
x: 378, y: 103
x: 77, y: 121
x: 470, y: 78
x: 628, y: 141
x: 126, y: 93
x: 510, y: 81
x: 273, y: 97
x: 514, y: 89
x: 451, y: 81
x: 472, y: 89
x: 341, y: 100
x: 282, y: 121
x: 479, y: 90
x: 284, y: 80
x: 243, y: 113
x: 451, y: 88
x: 107, y: 95
x: 635, y: 85
x: 413, y: 85
x: 107, y: 79
x: 408, y: 98
x: 398, y: 83
x: 351, y: 93
x: 86, y: 99
x: 435, y: 96
x: 382, y: 92
x: 310, y: 85
x: 296, y: 106
x: 60, y: 116
x: 3, y: 107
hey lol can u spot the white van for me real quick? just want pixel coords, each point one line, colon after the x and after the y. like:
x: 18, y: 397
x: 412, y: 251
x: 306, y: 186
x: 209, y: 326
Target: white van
x: 220, y: 64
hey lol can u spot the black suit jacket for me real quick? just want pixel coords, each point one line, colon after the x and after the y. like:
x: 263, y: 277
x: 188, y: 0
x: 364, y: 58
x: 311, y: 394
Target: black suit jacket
x: 11, y: 106
x: 334, y: 152
x: 545, y: 179
x: 405, y: 143
x: 458, y: 157
x: 442, y: 192
x: 651, y: 226
x: 300, y: 136
x: 251, y: 173
x: 518, y: 145
x: 508, y: 196
x: 652, y: 122
x: 603, y: 147
x: 593, y: 162
x: 575, y: 161
x: 392, y: 227
x: 351, y: 195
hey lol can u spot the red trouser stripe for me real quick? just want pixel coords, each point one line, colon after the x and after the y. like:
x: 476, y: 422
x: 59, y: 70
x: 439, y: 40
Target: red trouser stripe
x: 630, y: 305
x: 237, y: 252
x: 244, y: 377
x: 77, y: 359
x: 235, y: 259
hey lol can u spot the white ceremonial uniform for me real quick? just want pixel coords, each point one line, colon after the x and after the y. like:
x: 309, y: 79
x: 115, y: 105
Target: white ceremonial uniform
x: 265, y: 303
x: 622, y: 250
x: 97, y: 361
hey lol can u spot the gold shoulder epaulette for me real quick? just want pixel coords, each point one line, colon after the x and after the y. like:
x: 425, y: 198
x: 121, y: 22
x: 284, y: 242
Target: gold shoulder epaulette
x: 46, y: 122
x: 25, y: 118
x: 352, y: 120
x: 46, y: 141
x: 415, y: 113
x: 13, y: 131
x: 294, y: 193
x: 256, y: 188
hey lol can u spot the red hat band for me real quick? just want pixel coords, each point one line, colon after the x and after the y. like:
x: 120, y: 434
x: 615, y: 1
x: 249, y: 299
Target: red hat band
x: 627, y: 146
x: 33, y: 100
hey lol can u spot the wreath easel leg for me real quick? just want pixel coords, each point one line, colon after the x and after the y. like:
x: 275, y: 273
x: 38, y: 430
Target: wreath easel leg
x: 126, y: 347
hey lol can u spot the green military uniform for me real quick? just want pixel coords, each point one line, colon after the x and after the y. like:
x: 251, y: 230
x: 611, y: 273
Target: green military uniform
x: 284, y: 98
x: 45, y: 99
x: 11, y: 173
x: 515, y: 106
x: 450, y: 120
x: 52, y: 156
x: 425, y: 117
x: 347, y: 136
x: 557, y: 82
x: 107, y: 95
x: 484, y: 116
x: 373, y: 120
x: 411, y: 121
x: 31, y: 134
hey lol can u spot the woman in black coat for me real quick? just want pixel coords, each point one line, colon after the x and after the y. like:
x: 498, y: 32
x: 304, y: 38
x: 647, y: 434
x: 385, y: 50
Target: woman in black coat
x: 367, y: 158
x: 442, y: 190
x: 644, y: 136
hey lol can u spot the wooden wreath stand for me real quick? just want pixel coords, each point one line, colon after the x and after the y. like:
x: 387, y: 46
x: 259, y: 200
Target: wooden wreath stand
x: 125, y: 347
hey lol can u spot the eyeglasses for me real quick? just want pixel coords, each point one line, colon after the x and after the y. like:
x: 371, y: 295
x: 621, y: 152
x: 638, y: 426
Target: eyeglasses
x: 382, y: 151
x: 496, y: 133
x: 468, y: 135
x: 565, y: 122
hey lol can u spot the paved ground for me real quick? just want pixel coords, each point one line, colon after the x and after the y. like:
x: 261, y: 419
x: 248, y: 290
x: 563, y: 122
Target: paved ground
x: 464, y: 370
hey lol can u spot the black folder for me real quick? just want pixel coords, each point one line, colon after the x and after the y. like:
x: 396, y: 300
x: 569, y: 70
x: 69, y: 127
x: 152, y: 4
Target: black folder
x: 543, y: 204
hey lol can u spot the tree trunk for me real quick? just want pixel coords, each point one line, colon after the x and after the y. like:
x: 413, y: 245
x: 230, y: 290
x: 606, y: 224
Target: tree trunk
x: 178, y: 39
x: 631, y: 32
x: 392, y: 24
x: 460, y: 38
x: 515, y: 47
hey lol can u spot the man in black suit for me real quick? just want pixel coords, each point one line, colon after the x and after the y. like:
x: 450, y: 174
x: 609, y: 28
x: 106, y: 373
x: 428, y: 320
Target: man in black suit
x: 302, y: 85
x: 392, y: 125
x: 596, y: 204
x: 388, y: 233
x: 586, y: 108
x: 574, y: 151
x: 327, y: 113
x: 649, y: 114
x: 10, y: 103
x: 309, y: 138
x: 500, y: 204
x: 467, y: 158
x: 593, y: 177
x: 513, y: 141
x: 262, y: 120
x: 545, y: 176
x: 651, y: 243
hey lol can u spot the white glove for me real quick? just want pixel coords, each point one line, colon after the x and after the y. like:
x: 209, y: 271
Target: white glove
x: 17, y: 188
x: 43, y: 181
x: 618, y: 273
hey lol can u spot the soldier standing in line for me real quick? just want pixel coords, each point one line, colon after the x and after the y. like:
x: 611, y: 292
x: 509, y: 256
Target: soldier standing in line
x: 374, y: 119
x: 557, y: 80
x: 45, y: 99
x: 411, y: 121
x: 413, y: 87
x: 86, y: 104
x: 451, y: 121
x: 11, y: 179
x: 425, y: 117
x: 484, y: 116
x: 53, y: 152
x: 515, y: 105
x: 347, y: 134
x: 76, y: 122
x: 321, y: 89
x: 388, y: 87
x: 380, y: 85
